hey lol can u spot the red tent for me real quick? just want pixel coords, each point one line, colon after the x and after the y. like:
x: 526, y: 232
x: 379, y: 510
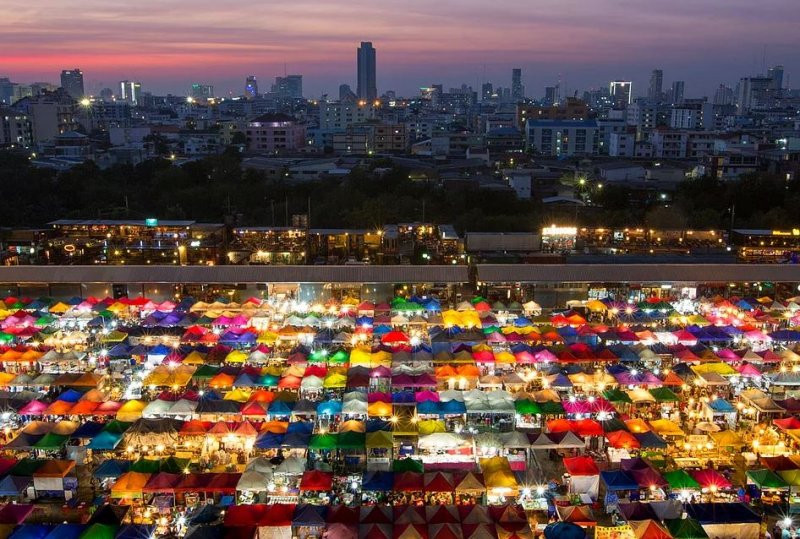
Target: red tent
x: 559, y: 425
x: 581, y: 466
x: 620, y: 439
x: 442, y: 514
x: 710, y: 479
x: 405, y: 514
x: 375, y: 514
x: 410, y: 531
x: 315, y: 480
x: 342, y: 514
x: 394, y: 337
x: 408, y: 482
x: 788, y: 423
x: 162, y: 483
x: 438, y: 482
x: 587, y: 427
x: 444, y: 531
x: 375, y: 531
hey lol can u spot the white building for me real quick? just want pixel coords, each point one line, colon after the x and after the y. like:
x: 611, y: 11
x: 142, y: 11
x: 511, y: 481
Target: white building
x: 343, y: 114
x: 520, y: 181
x: 622, y: 145
x: 562, y: 137
x: 683, y: 144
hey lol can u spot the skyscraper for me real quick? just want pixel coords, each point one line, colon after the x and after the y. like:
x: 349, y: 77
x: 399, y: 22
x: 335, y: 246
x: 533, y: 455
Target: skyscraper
x: 678, y: 87
x: 517, y: 90
x: 367, y: 87
x: 620, y: 92
x: 130, y: 91
x: 654, y: 91
x: 723, y: 95
x: 251, y: 87
x: 290, y: 86
x: 72, y: 82
x: 487, y: 90
x: 776, y: 74
x: 202, y: 92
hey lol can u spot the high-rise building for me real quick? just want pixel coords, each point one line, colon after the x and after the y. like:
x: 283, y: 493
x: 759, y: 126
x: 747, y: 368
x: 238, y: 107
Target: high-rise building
x: 6, y: 91
x: 752, y: 92
x: 107, y: 94
x: 346, y: 93
x: 367, y: 86
x: 251, y: 87
x: 487, y: 91
x: 723, y: 95
x: 678, y: 88
x: 517, y: 90
x: 72, y: 82
x: 655, y: 90
x: 130, y: 91
x: 776, y: 74
x: 290, y: 86
x: 620, y: 91
x: 552, y: 95
x: 202, y: 92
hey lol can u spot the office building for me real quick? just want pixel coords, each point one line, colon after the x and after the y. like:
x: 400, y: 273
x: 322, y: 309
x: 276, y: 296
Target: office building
x: 562, y: 137
x: 130, y: 91
x: 275, y: 133
x: 678, y: 87
x: 517, y: 90
x: 343, y: 114
x: 15, y: 129
x: 571, y: 109
x: 552, y: 95
x: 367, y: 86
x: 6, y: 91
x: 752, y: 92
x: 290, y: 86
x: 72, y: 82
x: 620, y: 92
x: 642, y: 114
x: 487, y: 91
x: 655, y: 91
x: 723, y: 95
x: 202, y: 92
x: 776, y: 74
x: 251, y: 87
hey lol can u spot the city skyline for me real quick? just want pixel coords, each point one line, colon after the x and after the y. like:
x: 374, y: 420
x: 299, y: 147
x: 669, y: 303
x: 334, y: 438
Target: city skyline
x: 418, y: 46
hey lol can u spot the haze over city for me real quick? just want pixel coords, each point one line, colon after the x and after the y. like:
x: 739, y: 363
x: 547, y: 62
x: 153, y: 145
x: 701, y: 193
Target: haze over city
x: 168, y: 45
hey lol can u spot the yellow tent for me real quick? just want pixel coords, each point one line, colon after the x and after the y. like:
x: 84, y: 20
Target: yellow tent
x: 267, y: 337
x: 194, y: 358
x: 335, y: 380
x: 666, y: 427
x: 379, y: 409
x: 6, y: 378
x: 59, y: 308
x: 129, y: 485
x: 381, y: 358
x: 360, y: 356
x: 504, y: 357
x: 431, y: 426
x: 236, y: 356
x: 131, y: 411
x: 727, y: 438
x: 237, y: 395
x: 723, y: 369
x: 596, y: 305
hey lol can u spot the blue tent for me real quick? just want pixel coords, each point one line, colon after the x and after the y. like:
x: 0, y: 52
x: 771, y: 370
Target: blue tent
x: 377, y: 481
x: 564, y: 530
x: 90, y: 429
x: 306, y: 514
x: 403, y: 397
x: 267, y: 440
x: 374, y: 425
x: 66, y: 531
x: 300, y: 427
x: 279, y: 408
x: 650, y: 440
x: 721, y: 406
x: 428, y: 408
x: 70, y: 395
x: 112, y: 468
x: 31, y: 531
x: 296, y: 439
x: 452, y: 407
x: 244, y: 380
x: 331, y: 407
x: 105, y: 441
x: 12, y: 485
x: 618, y: 480
x: 205, y: 514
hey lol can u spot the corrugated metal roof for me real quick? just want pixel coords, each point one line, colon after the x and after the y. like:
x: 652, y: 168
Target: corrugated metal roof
x: 637, y: 273
x: 234, y: 274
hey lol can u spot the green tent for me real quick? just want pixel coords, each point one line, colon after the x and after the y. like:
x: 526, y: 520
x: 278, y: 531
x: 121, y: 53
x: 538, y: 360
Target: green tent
x: 268, y: 380
x: 380, y: 439
x: 205, y: 371
x: 318, y: 356
x: 664, y: 394
x: 612, y: 425
x: 150, y: 466
x: 100, y: 531
x: 340, y: 356
x: 51, y: 442
x: 527, y: 407
x: 551, y: 408
x: 679, y: 480
x: 616, y: 395
x: 117, y: 427
x: 685, y: 528
x: 351, y: 440
x: 26, y: 467
x: 407, y: 465
x: 766, y: 479
x: 324, y: 442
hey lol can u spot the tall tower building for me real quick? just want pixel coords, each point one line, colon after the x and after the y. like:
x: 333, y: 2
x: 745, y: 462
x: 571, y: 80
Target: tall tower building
x: 251, y: 87
x: 776, y: 74
x: 289, y: 86
x: 655, y: 90
x: 72, y: 82
x: 620, y: 92
x: 130, y: 91
x: 517, y: 90
x: 678, y: 88
x: 367, y: 87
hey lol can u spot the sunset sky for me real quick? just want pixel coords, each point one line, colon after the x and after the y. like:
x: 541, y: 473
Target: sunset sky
x: 168, y: 44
